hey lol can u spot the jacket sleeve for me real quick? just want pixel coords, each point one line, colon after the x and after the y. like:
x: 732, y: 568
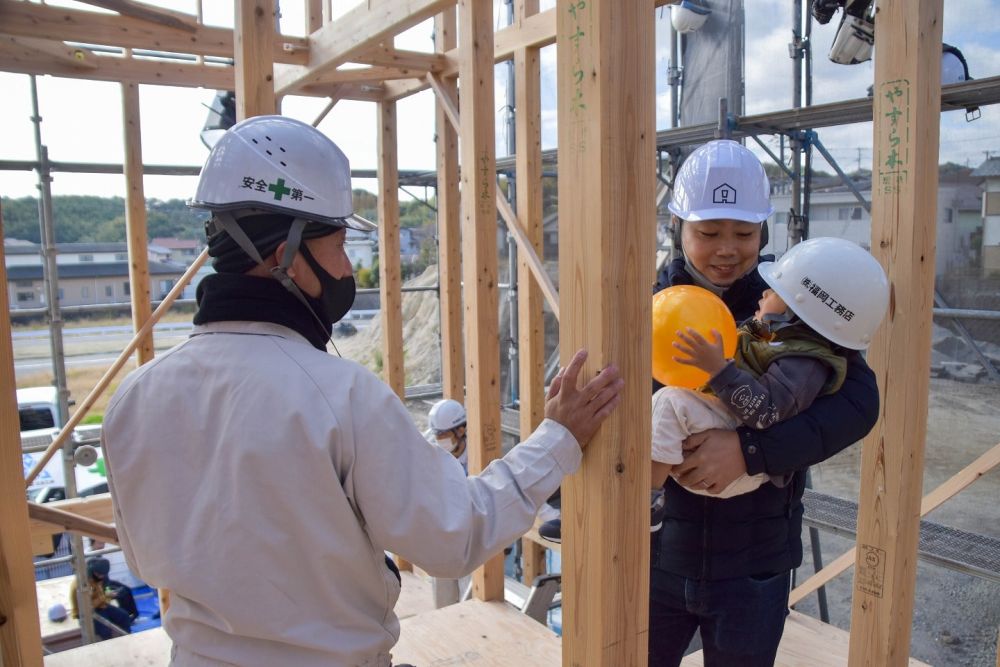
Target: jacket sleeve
x: 789, y: 386
x: 415, y: 500
x: 830, y: 425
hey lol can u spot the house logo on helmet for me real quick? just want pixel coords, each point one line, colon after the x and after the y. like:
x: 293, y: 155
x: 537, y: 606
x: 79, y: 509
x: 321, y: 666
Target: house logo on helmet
x: 724, y: 194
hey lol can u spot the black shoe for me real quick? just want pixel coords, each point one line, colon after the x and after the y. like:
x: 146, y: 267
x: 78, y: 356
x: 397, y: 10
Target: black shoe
x: 551, y: 531
x: 657, y: 509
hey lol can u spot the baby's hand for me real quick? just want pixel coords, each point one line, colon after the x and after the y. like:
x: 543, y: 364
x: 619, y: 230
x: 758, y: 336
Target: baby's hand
x: 699, y: 352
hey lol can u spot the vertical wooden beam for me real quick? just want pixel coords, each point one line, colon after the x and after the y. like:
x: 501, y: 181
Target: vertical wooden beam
x: 314, y: 15
x: 531, y: 325
x: 254, y: 67
x: 479, y: 255
x: 390, y: 280
x: 135, y: 219
x: 606, y: 232
x: 449, y: 228
x: 20, y: 642
x: 904, y: 205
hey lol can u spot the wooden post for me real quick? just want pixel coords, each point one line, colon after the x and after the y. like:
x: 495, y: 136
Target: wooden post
x: 314, y: 15
x: 19, y: 628
x: 904, y: 204
x: 388, y: 243
x: 606, y: 267
x: 479, y: 255
x: 135, y: 219
x: 531, y: 325
x: 449, y: 231
x: 253, y: 52
x: 390, y: 281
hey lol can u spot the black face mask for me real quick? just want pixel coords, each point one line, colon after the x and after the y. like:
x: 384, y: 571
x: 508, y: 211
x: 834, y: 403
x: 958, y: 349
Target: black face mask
x: 336, y: 294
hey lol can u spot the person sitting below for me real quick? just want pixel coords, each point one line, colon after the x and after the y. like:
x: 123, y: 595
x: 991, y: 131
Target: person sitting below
x: 102, y: 591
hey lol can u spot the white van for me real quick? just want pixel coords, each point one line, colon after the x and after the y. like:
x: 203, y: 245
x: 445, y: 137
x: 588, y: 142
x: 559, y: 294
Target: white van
x: 38, y: 413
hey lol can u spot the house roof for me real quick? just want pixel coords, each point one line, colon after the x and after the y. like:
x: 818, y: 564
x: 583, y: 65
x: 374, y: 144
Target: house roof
x: 177, y: 244
x: 989, y: 168
x: 91, y: 270
x: 66, y: 248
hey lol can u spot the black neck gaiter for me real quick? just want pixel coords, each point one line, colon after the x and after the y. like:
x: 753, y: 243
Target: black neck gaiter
x: 226, y: 297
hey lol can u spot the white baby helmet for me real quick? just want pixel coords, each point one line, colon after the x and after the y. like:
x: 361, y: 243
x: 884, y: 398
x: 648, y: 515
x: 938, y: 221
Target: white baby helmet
x: 687, y: 16
x: 833, y: 285
x: 282, y: 165
x: 721, y: 179
x: 446, y: 415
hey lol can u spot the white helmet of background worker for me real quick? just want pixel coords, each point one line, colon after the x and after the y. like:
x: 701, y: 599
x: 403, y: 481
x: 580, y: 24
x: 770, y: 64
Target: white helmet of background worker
x: 721, y: 180
x: 833, y: 285
x: 687, y: 16
x: 446, y: 415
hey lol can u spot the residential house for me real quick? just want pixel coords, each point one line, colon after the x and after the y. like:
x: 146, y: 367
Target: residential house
x: 89, y: 273
x: 988, y: 174
x: 180, y: 251
x: 836, y: 211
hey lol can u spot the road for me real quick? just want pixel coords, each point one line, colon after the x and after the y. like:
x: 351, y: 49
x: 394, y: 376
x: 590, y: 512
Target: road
x: 95, y: 346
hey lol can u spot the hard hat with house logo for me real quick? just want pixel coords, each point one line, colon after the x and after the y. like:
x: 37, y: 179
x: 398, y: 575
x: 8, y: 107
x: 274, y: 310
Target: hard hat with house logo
x: 833, y: 285
x: 721, y: 180
x: 279, y: 165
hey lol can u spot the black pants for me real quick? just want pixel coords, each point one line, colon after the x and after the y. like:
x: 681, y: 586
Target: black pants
x: 123, y: 595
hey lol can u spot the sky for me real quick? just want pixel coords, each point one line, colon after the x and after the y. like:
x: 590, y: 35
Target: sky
x: 82, y: 119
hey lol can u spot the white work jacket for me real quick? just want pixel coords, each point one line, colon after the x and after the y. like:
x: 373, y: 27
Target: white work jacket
x: 261, y: 481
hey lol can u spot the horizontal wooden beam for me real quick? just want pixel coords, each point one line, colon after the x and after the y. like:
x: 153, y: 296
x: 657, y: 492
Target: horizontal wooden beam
x: 76, y: 57
x: 89, y: 516
x: 359, y: 91
x: 24, y: 19
x: 390, y: 57
x: 145, y: 12
x: 374, y: 75
x: 22, y: 60
x: 356, y: 31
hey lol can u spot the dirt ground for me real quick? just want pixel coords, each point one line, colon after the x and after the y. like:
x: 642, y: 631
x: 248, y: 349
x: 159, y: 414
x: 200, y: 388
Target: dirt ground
x: 956, y: 616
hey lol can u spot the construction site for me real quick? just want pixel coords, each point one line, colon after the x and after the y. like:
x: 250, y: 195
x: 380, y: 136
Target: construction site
x: 558, y: 130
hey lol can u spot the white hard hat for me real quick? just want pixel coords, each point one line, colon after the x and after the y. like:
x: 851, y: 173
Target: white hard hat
x: 833, y: 285
x: 281, y: 165
x: 687, y: 16
x: 57, y: 613
x: 721, y: 180
x: 445, y: 415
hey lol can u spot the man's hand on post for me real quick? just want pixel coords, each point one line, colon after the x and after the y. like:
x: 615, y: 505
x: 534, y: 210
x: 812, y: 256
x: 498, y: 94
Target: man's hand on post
x: 582, y: 409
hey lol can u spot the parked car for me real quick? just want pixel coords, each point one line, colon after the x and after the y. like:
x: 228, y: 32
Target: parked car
x: 344, y: 329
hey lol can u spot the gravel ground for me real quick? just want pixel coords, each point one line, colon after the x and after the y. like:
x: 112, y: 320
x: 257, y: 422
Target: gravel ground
x: 956, y: 616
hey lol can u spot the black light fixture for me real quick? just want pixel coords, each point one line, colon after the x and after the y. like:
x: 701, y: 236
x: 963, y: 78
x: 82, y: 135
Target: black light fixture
x: 221, y: 117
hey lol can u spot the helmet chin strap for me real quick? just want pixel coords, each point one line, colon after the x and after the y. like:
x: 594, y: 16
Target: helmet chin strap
x: 280, y: 272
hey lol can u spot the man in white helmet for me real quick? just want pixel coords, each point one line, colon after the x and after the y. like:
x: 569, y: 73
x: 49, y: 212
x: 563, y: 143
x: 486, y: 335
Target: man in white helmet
x: 721, y: 566
x: 446, y: 428
x: 260, y: 478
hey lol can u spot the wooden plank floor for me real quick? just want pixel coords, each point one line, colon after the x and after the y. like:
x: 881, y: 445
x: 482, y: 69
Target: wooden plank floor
x: 807, y: 641
x: 481, y: 634
x: 152, y: 647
